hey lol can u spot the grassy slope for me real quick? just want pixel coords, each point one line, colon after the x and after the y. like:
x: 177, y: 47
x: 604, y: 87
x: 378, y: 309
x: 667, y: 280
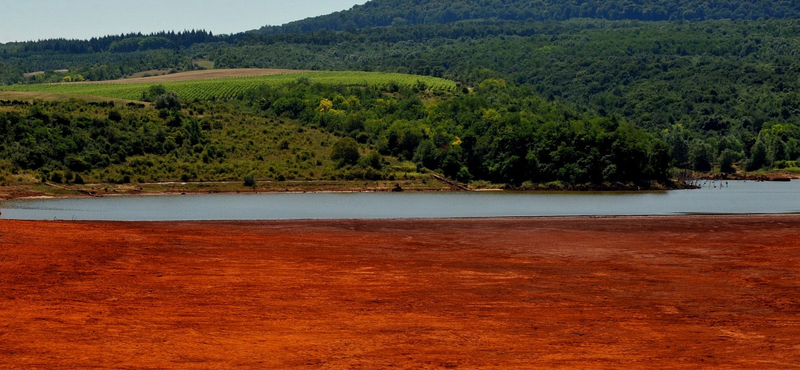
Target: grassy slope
x: 253, y: 145
x: 230, y: 87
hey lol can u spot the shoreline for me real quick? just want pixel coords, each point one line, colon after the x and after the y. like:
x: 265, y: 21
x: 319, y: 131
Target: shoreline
x: 310, y: 221
x: 54, y: 191
x: 425, y: 184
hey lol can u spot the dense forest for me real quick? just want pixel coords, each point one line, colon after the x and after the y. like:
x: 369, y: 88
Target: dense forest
x: 381, y: 13
x: 714, y: 82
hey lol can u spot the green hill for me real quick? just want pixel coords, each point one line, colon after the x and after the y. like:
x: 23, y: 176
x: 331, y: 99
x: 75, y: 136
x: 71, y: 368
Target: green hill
x: 317, y: 131
x: 715, y: 83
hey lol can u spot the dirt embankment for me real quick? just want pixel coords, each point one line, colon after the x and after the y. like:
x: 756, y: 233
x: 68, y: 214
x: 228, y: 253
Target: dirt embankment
x: 203, y: 75
x: 592, y: 293
x: 38, y: 189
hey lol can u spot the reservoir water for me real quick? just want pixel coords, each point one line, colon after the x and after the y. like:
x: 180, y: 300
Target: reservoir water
x: 738, y: 197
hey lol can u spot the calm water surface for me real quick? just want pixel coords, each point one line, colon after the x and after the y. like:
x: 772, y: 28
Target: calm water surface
x: 738, y: 197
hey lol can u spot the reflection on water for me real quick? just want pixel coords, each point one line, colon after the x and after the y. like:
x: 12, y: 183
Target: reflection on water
x: 738, y: 197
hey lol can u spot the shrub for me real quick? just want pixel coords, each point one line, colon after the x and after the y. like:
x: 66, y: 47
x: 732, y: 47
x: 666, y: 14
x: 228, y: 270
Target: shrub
x: 115, y: 116
x: 56, y: 177
x: 77, y: 163
x: 345, y: 152
x: 153, y: 92
x: 250, y: 181
x: 373, y: 160
x: 168, y: 101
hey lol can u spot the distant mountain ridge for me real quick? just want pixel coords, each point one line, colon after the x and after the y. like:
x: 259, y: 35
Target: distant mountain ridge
x: 379, y: 13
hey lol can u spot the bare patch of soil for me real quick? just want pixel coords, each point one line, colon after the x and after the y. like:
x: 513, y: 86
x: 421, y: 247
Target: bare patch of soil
x: 204, y: 75
x: 37, y: 95
x: 590, y: 293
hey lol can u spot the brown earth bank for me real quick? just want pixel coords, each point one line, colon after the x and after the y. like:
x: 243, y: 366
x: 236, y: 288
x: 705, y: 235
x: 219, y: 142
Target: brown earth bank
x: 203, y: 75
x: 32, y: 96
x: 590, y: 293
x: 50, y: 190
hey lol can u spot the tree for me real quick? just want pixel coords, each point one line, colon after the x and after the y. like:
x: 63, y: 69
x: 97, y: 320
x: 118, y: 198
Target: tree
x: 678, y: 148
x: 153, y: 92
x: 659, y: 161
x: 777, y: 151
x: 345, y: 152
x: 727, y: 159
x: 700, y: 155
x: 758, y: 156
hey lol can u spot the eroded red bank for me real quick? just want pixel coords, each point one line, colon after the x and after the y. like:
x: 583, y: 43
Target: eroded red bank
x: 666, y: 292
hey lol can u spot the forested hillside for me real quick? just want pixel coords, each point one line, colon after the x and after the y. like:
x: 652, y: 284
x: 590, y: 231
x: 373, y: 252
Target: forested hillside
x: 714, y: 81
x: 313, y: 131
x: 718, y: 88
x: 380, y: 13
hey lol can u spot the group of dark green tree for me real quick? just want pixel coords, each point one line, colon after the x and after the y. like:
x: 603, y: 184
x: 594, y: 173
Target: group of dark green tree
x: 499, y: 133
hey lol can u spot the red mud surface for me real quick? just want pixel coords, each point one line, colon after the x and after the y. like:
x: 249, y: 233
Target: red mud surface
x: 658, y: 292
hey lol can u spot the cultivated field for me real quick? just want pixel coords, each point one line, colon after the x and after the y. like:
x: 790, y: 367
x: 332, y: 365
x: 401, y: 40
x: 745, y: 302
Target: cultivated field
x: 571, y: 293
x: 226, y: 84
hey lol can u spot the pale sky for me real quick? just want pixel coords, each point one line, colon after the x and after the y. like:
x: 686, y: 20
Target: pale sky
x: 27, y: 20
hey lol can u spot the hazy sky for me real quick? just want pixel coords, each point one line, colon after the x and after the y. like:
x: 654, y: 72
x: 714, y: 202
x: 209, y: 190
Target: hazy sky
x: 24, y: 20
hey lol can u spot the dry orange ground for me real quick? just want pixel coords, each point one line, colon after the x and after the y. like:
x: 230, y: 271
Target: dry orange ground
x: 660, y: 292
